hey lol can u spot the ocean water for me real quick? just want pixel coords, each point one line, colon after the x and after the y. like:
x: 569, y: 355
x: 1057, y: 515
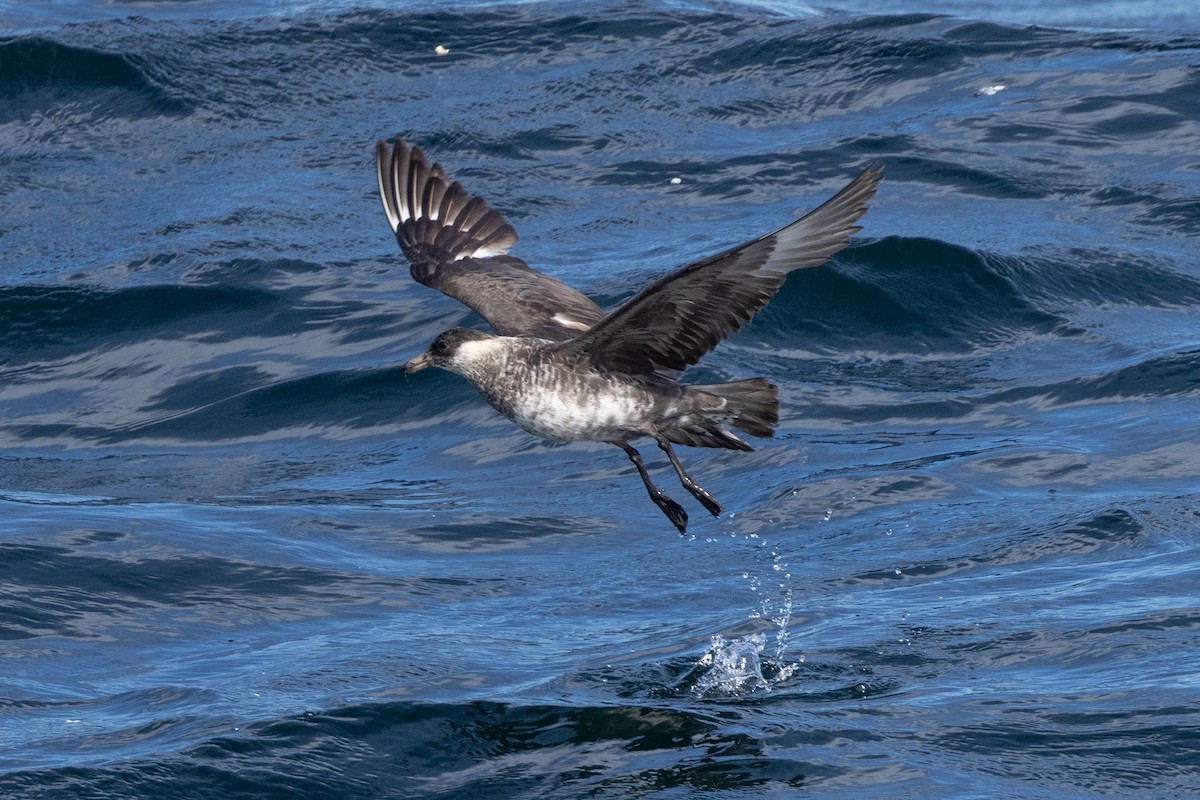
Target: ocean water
x: 243, y: 555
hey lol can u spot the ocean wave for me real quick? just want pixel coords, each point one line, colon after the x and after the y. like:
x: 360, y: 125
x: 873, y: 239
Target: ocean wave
x: 452, y: 750
x: 47, y: 321
x: 884, y: 300
x: 898, y: 295
x: 41, y: 76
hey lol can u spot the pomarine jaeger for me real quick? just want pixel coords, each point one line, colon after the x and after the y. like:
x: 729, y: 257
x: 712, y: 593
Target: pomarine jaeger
x: 561, y: 368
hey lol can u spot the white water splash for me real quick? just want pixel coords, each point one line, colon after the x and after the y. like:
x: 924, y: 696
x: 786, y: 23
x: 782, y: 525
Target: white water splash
x: 737, y: 667
x: 732, y: 667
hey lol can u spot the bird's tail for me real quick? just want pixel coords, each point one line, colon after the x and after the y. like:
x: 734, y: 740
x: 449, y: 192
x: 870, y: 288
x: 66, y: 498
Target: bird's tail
x: 751, y: 406
x: 435, y: 220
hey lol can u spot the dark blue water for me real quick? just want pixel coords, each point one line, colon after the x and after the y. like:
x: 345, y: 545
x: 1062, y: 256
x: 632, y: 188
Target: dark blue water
x: 242, y: 555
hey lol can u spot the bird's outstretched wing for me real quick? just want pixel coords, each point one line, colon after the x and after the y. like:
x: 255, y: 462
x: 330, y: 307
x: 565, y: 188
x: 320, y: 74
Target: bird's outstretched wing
x: 676, y: 320
x: 457, y: 244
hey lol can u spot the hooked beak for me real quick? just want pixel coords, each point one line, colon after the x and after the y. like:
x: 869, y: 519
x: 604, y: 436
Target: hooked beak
x: 417, y: 364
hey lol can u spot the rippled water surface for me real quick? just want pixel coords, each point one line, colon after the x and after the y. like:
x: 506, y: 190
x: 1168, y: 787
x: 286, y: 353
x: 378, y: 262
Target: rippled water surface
x: 243, y: 555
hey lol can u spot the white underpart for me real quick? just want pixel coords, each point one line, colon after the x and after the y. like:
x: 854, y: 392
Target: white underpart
x: 603, y: 416
x: 553, y: 403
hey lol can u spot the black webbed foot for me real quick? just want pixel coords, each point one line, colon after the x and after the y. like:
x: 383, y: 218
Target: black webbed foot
x: 706, y: 499
x: 698, y: 491
x: 673, y: 510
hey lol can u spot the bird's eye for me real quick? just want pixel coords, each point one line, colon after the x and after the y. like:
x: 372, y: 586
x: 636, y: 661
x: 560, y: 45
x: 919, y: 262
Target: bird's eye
x: 440, y: 347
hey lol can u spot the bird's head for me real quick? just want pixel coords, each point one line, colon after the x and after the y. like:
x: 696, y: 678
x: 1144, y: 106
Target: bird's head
x: 456, y: 350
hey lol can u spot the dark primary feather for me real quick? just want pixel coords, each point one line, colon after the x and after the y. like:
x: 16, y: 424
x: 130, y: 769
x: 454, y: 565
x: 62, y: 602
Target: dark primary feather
x: 680, y: 317
x: 457, y: 244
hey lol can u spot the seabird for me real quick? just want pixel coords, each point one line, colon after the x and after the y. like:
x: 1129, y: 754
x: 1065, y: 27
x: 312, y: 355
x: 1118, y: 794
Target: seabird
x: 562, y: 369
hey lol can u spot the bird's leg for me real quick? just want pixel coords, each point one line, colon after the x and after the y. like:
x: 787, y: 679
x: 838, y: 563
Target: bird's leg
x: 673, y: 510
x: 698, y: 492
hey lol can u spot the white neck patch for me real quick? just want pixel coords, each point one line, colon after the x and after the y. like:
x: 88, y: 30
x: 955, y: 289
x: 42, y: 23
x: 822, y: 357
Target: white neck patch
x: 476, y: 350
